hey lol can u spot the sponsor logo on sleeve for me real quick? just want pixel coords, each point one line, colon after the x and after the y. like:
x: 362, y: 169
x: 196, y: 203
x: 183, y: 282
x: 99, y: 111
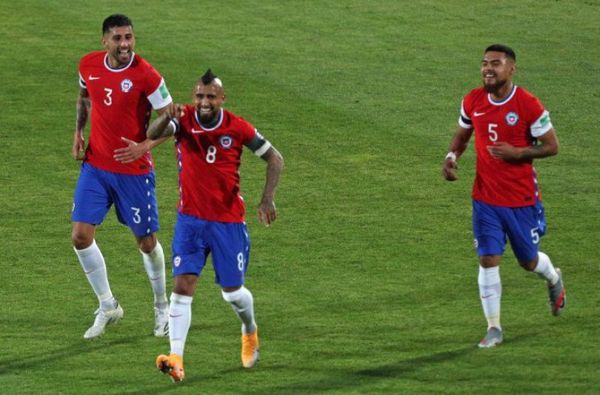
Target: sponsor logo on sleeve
x: 164, y: 92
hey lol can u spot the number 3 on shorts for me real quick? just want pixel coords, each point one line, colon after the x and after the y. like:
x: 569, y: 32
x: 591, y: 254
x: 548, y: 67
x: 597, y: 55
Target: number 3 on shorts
x: 136, y: 215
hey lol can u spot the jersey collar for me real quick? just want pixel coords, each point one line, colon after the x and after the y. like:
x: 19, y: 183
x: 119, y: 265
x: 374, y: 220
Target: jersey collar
x: 118, y: 70
x: 501, y: 102
x: 218, y: 124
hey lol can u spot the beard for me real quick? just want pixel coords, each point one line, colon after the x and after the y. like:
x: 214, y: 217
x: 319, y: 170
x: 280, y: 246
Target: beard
x: 208, y: 118
x: 495, y: 87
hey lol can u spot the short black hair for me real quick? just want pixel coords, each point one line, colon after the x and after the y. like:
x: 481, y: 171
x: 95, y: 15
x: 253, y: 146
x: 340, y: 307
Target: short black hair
x: 115, y: 20
x: 208, y: 77
x: 508, y: 51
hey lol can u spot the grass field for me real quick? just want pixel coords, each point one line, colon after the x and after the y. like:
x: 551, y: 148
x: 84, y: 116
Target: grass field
x: 368, y: 281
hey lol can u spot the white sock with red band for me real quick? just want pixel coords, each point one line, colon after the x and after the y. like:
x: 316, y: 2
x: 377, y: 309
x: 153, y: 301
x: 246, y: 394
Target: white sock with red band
x: 490, y: 292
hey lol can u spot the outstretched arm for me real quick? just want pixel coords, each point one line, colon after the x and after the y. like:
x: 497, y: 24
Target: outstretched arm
x: 162, y: 126
x: 458, y: 145
x: 83, y: 109
x: 135, y: 150
x: 267, y: 213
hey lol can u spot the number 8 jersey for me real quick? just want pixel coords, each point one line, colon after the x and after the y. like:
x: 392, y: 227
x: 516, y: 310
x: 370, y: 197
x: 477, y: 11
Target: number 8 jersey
x: 517, y: 120
x: 208, y: 160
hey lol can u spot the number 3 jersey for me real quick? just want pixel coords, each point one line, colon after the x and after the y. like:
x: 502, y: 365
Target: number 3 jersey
x: 517, y: 120
x: 208, y: 160
x: 121, y: 100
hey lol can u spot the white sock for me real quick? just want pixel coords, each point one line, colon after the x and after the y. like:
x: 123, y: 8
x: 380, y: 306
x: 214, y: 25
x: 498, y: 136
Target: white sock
x: 180, y: 318
x: 154, y: 262
x: 243, y: 304
x: 93, y: 265
x: 490, y: 292
x: 545, y: 269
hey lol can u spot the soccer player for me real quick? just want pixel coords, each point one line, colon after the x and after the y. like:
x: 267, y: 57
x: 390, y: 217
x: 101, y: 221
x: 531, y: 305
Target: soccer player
x: 119, y: 88
x: 511, y: 129
x: 210, y: 218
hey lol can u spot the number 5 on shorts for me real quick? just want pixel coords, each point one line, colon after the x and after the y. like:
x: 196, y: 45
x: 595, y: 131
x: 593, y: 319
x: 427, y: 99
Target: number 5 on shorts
x: 535, y: 236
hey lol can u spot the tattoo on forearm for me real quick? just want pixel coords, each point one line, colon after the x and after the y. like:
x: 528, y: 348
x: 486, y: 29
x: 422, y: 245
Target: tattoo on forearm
x: 83, y: 106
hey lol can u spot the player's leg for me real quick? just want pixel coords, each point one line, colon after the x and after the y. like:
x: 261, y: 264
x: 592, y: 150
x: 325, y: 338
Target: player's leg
x: 136, y: 207
x: 490, y: 242
x: 180, y: 319
x: 230, y: 246
x: 91, y: 202
x: 527, y: 226
x: 154, y: 263
x: 189, y: 258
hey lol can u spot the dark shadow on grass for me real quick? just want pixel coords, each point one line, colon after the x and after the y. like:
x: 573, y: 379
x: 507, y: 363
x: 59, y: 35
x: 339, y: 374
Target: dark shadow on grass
x: 341, y: 380
x: 45, y: 357
x: 192, y: 380
x: 409, y: 365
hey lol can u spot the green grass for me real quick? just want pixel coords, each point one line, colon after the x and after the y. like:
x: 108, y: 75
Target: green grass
x: 367, y: 282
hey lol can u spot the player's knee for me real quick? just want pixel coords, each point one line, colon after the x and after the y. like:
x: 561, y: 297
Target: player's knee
x: 487, y: 261
x: 147, y: 243
x: 230, y: 293
x: 185, y: 284
x: 529, y: 265
x: 81, y: 240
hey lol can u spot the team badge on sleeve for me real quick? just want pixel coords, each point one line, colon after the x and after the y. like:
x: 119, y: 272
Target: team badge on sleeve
x: 512, y: 118
x: 126, y: 85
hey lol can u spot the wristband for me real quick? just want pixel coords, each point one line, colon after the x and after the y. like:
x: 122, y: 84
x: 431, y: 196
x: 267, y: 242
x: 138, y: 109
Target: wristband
x: 452, y: 156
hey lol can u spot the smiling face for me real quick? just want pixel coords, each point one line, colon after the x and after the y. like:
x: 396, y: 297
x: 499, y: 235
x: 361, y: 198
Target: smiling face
x: 208, y: 100
x: 497, y: 70
x: 119, y: 42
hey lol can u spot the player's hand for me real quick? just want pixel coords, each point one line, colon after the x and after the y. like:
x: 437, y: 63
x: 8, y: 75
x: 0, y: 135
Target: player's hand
x: 504, y: 151
x: 132, y: 152
x: 78, y: 149
x: 267, y: 213
x: 449, y: 170
x: 179, y: 111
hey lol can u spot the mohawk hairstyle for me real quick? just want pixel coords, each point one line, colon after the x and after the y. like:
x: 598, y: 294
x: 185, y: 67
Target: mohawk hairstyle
x: 508, y: 51
x: 115, y: 20
x: 208, y: 77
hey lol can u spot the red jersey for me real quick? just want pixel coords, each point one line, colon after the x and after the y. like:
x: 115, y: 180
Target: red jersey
x: 209, y: 161
x: 121, y: 100
x: 518, y: 120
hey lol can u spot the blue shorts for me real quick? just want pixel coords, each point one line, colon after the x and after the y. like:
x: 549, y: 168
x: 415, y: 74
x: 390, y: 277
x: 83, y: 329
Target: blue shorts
x: 134, y: 198
x: 228, y: 243
x: 523, y: 226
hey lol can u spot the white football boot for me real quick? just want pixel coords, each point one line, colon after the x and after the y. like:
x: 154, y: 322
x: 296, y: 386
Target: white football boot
x: 103, y: 318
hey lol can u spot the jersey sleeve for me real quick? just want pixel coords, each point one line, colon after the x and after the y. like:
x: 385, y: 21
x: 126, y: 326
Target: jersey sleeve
x: 156, y: 89
x: 464, y: 120
x: 253, y: 139
x: 542, y: 125
x: 540, y: 118
x: 247, y: 131
x: 81, y: 67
